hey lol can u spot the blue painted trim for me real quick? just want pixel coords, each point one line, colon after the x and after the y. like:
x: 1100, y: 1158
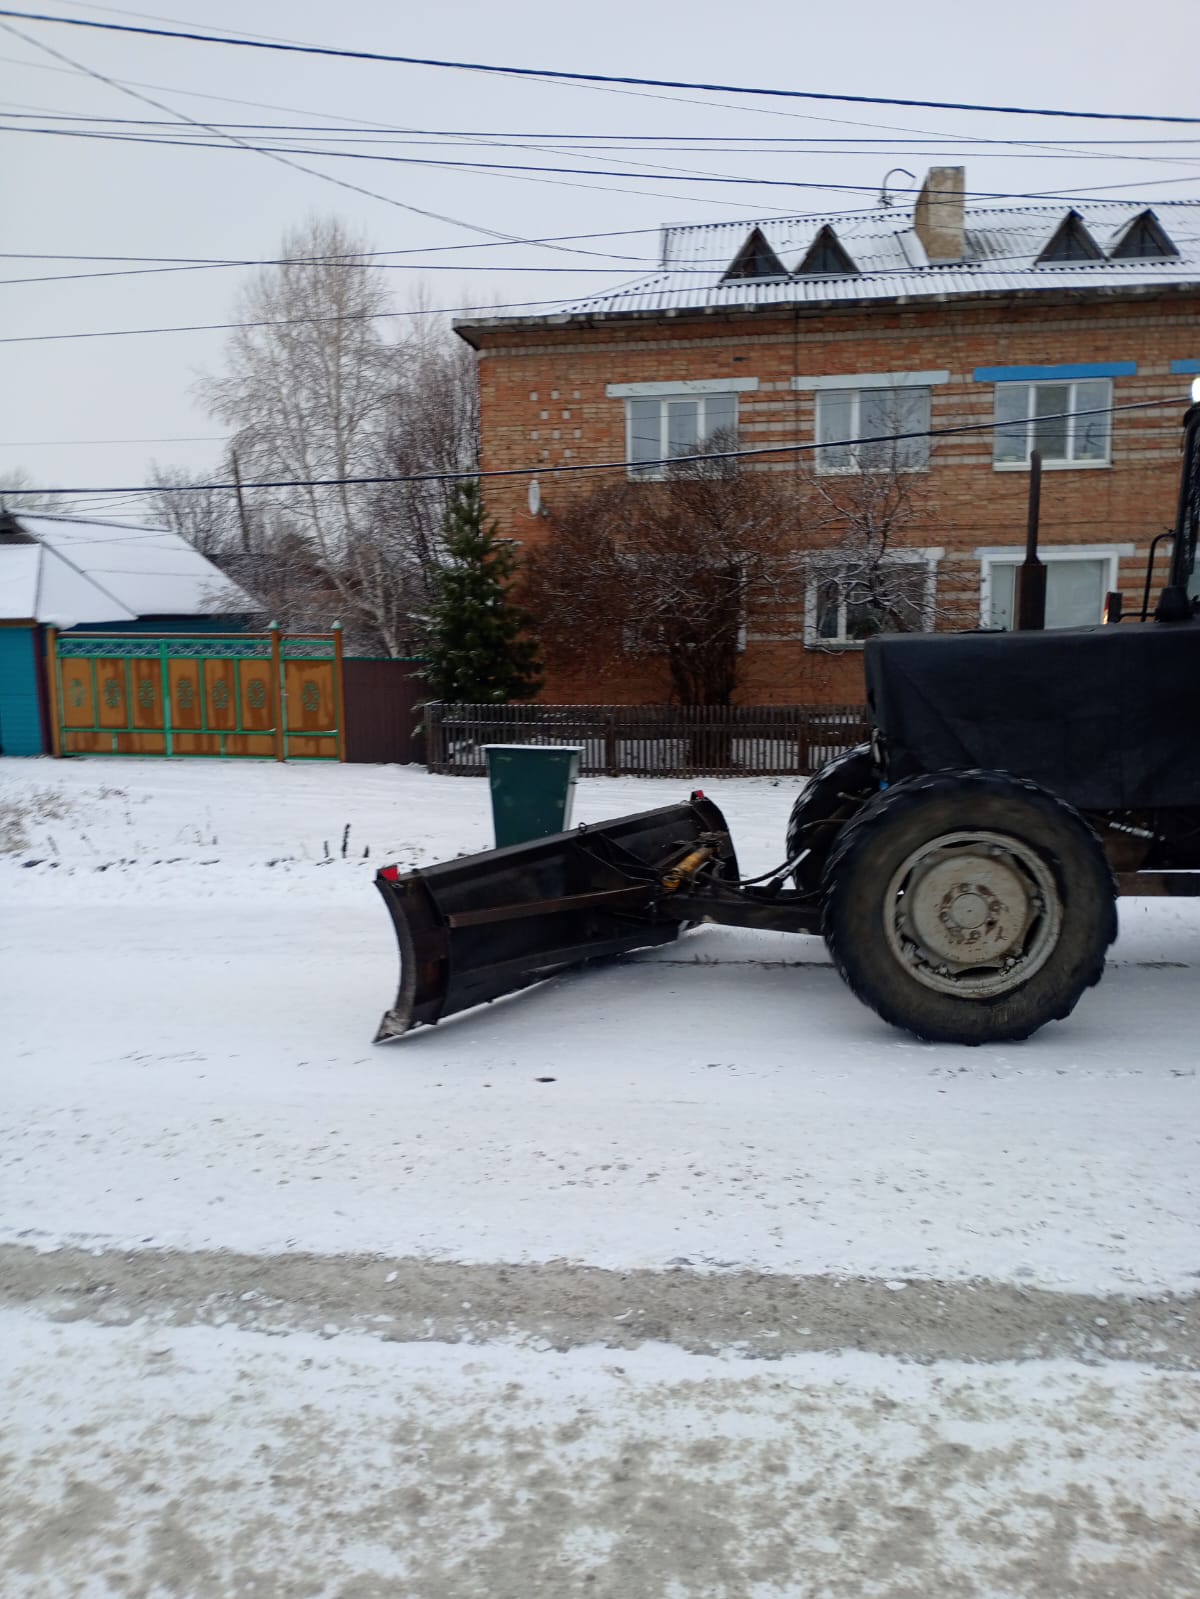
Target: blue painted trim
x: 1185, y: 366
x: 1051, y: 374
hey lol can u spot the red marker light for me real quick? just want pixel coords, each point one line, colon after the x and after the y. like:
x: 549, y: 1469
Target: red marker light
x: 392, y: 873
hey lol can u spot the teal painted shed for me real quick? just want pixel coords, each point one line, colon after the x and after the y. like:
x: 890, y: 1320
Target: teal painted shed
x: 64, y: 572
x: 23, y: 729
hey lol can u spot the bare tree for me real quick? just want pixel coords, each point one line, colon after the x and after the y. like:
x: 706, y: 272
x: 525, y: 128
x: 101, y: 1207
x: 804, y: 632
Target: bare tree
x: 18, y: 479
x: 314, y: 390
x: 669, y: 572
x: 206, y: 517
x: 865, y: 518
x: 303, y: 389
x: 859, y: 554
x: 429, y: 424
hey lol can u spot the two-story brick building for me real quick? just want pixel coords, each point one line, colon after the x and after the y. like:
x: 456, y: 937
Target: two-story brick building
x: 813, y: 331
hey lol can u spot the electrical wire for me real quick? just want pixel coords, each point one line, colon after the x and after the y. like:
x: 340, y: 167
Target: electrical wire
x: 365, y: 255
x: 1043, y: 274
x: 654, y: 141
x: 560, y: 76
x: 277, y: 322
x: 37, y: 444
x: 367, y: 258
x: 975, y: 141
x: 546, y: 469
x: 591, y: 146
x: 282, y: 160
x: 534, y: 173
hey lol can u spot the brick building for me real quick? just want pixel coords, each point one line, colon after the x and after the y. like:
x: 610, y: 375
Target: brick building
x: 817, y: 330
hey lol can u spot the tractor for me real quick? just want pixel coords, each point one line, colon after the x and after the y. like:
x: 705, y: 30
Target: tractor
x: 963, y: 866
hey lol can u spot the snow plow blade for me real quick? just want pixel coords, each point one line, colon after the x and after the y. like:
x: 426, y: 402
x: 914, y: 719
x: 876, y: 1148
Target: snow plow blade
x: 485, y: 925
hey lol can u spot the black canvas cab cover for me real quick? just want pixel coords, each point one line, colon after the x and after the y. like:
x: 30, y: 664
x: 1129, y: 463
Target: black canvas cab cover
x: 1105, y: 717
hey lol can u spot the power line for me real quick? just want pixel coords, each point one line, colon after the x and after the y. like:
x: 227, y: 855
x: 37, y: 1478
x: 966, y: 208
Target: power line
x: 363, y: 255
x: 1043, y: 274
x: 36, y: 444
x: 676, y: 144
x: 655, y: 141
x: 277, y: 322
x: 557, y: 75
x: 672, y: 100
x: 282, y: 160
x: 371, y: 257
x: 534, y: 173
x: 546, y: 469
x: 526, y: 174
x: 891, y: 129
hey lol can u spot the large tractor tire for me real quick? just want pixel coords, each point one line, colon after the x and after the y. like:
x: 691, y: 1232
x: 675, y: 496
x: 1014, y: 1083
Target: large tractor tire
x: 968, y: 907
x: 822, y: 807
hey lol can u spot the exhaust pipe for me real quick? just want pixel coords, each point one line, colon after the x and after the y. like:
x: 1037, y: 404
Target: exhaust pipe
x: 485, y: 925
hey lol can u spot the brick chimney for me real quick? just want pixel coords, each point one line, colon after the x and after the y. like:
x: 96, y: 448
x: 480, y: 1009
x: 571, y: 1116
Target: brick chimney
x: 938, y: 217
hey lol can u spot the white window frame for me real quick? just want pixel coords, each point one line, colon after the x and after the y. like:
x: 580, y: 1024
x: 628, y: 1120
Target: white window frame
x: 1068, y: 465
x: 698, y: 389
x: 820, y: 569
x: 1013, y: 555
x: 854, y: 467
x: 856, y: 383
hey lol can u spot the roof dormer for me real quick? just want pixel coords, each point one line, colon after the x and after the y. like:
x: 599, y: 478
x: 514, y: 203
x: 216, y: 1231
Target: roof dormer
x: 1070, y: 241
x: 826, y: 256
x: 1143, y: 239
x: 755, y: 259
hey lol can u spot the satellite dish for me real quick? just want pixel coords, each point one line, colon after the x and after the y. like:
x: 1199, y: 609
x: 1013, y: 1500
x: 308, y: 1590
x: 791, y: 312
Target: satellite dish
x: 535, y: 497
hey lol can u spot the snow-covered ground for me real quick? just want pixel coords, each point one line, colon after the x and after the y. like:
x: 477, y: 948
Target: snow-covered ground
x: 192, y: 963
x: 191, y: 987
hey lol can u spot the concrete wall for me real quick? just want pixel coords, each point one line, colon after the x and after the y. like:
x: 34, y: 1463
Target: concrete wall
x: 544, y: 402
x: 20, y: 713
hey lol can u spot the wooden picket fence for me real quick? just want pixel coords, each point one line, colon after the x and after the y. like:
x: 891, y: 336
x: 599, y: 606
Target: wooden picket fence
x: 649, y: 740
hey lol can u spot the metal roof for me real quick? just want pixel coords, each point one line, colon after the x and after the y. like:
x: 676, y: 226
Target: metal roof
x: 1001, y: 247
x: 111, y: 572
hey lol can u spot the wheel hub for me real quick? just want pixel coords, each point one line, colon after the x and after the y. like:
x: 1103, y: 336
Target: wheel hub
x: 973, y: 913
x: 968, y: 908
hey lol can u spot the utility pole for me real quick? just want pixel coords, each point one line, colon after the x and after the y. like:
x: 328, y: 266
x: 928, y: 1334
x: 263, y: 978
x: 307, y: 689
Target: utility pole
x: 242, y: 517
x: 1031, y: 576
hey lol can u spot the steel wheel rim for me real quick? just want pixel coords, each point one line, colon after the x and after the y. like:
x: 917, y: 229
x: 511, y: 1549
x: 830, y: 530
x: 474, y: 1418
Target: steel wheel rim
x: 972, y: 913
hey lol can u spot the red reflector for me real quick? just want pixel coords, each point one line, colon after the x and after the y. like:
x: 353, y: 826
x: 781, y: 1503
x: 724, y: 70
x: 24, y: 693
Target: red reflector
x: 392, y: 873
x: 697, y: 793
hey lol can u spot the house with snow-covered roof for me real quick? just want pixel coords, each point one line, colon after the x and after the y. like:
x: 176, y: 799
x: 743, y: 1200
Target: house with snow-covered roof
x: 980, y: 330
x: 66, y: 572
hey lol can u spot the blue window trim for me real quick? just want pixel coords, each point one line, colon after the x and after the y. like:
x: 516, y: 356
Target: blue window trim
x: 1053, y: 374
x: 1184, y: 368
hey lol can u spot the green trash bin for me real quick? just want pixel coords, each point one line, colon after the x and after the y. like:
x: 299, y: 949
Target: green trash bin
x: 533, y: 789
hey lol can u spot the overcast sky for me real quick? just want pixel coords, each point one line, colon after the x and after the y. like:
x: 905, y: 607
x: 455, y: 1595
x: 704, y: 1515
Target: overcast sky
x: 84, y: 196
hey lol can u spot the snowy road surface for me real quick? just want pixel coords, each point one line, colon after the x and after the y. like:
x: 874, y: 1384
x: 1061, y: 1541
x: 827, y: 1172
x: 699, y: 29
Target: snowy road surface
x: 753, y: 1297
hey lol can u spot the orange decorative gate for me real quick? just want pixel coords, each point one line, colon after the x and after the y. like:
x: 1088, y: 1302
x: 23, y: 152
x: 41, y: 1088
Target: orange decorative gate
x: 217, y: 694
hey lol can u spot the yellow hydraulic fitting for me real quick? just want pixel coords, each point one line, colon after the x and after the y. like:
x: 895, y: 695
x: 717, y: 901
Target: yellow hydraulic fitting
x: 687, y: 867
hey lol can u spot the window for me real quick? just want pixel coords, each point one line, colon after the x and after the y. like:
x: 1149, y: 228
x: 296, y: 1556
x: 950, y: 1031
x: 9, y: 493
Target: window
x: 826, y: 256
x: 1034, y: 416
x: 1076, y: 582
x: 755, y: 259
x: 661, y: 426
x: 1071, y: 241
x: 868, y: 413
x: 848, y: 602
x: 1144, y: 239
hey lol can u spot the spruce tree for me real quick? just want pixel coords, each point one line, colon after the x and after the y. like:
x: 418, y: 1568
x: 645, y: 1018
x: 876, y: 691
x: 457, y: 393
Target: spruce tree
x: 478, y: 649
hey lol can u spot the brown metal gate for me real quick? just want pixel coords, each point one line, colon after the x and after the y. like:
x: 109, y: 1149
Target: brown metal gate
x: 209, y: 694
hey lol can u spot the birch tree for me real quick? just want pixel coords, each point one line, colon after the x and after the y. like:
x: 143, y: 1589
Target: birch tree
x: 314, y: 389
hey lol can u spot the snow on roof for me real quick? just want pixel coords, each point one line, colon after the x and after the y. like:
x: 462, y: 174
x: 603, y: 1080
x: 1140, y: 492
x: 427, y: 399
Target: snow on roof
x: 116, y: 571
x: 19, y: 582
x: 1001, y: 248
x: 37, y: 585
